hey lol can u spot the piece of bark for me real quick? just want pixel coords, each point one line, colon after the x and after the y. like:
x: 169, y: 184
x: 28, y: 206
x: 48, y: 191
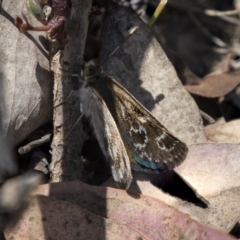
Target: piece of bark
x: 39, y: 162
x: 66, y: 156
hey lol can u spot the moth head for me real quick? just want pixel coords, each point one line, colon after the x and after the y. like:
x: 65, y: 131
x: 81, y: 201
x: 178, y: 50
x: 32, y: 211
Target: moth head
x: 91, y: 70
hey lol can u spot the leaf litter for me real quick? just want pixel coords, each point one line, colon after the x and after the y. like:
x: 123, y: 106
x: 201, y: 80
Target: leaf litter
x: 71, y: 209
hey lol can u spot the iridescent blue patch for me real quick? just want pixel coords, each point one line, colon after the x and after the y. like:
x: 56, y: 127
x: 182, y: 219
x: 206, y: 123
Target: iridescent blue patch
x: 147, y: 164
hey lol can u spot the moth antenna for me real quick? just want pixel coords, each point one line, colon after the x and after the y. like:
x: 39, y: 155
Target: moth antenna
x: 74, y: 125
x: 65, y: 72
x: 131, y: 31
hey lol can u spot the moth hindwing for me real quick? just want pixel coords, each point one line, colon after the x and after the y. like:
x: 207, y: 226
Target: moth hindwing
x: 124, y: 127
x: 107, y: 134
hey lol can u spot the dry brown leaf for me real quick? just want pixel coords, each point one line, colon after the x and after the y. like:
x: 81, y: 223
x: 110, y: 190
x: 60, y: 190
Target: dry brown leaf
x: 24, y: 72
x: 146, y: 215
x: 215, y: 85
x: 183, y: 71
x: 213, y: 170
x: 48, y: 218
x: 142, y: 67
x: 223, y: 131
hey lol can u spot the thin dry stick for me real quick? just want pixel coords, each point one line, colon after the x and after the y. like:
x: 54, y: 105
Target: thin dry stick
x: 207, y: 117
x: 223, y: 47
x: 229, y: 19
x: 66, y: 155
x: 215, y: 13
x: 30, y: 146
x: 219, y: 42
x: 225, y: 15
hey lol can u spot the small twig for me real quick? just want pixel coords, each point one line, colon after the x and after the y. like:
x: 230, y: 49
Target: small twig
x: 223, y: 48
x: 220, y: 43
x: 207, y: 117
x: 225, y: 17
x: 30, y: 146
x: 66, y: 154
x: 232, y: 20
x: 215, y: 13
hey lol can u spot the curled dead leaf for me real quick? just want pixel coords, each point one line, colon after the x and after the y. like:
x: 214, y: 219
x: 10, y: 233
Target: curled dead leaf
x: 212, y: 170
x: 215, y: 85
x: 49, y: 218
x: 147, y: 216
x: 223, y: 131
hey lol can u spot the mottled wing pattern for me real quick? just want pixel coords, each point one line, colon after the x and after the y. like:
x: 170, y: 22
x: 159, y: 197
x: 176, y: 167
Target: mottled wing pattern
x: 150, y: 143
x: 107, y: 135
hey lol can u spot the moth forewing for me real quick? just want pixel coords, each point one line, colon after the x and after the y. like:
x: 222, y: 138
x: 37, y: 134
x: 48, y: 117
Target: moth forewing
x: 107, y: 134
x: 154, y: 146
x: 150, y: 143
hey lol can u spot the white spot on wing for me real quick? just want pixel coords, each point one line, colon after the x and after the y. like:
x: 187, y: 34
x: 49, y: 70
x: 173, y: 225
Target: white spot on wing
x: 139, y: 130
x: 159, y: 142
x: 143, y: 119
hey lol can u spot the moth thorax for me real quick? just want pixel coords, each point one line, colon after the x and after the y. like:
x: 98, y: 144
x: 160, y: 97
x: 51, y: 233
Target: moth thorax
x: 92, y: 70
